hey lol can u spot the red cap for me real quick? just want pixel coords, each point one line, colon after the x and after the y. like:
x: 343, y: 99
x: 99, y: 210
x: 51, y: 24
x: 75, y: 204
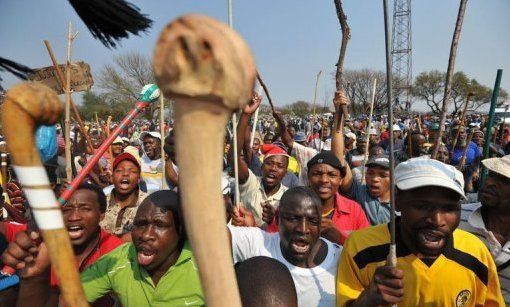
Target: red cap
x: 269, y: 150
x: 125, y: 156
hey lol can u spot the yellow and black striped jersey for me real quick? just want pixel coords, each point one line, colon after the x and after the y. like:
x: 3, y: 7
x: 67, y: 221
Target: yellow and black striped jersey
x: 463, y: 275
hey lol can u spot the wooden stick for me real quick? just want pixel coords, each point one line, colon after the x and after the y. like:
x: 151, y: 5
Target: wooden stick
x: 315, y: 94
x: 162, y: 132
x: 4, y: 183
x: 314, y: 117
x: 449, y: 74
x: 346, y: 35
x: 26, y: 106
x: 67, y: 122
x: 216, y: 76
x: 110, y: 151
x: 255, y: 119
x: 462, y: 121
x: 266, y: 91
x: 372, y: 99
x: 462, y: 160
x: 77, y: 116
x: 392, y: 255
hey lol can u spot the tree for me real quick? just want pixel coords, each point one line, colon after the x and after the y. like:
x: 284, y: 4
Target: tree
x: 121, y: 82
x: 429, y: 87
x: 93, y: 103
x: 359, y: 89
x: 298, y: 108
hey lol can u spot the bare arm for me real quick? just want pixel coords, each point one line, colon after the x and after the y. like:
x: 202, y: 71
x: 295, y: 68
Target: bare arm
x: 286, y: 138
x: 337, y: 142
x: 241, y: 129
x: 170, y: 172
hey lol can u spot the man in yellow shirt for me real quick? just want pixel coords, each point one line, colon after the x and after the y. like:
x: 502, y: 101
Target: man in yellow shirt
x: 437, y: 264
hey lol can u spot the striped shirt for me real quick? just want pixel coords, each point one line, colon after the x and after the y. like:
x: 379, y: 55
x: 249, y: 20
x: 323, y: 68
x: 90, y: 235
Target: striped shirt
x: 471, y: 221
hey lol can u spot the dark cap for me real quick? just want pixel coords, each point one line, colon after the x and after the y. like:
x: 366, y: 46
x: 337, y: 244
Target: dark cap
x: 125, y: 156
x: 326, y: 157
x: 378, y: 160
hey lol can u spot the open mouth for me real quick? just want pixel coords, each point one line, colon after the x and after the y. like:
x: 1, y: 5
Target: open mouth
x: 270, y: 178
x: 324, y: 189
x: 75, y: 231
x: 300, y: 246
x: 124, y: 184
x: 431, y: 239
x: 146, y: 256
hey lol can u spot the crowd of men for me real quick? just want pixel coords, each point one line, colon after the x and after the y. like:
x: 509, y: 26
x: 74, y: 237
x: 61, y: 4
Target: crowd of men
x: 313, y: 225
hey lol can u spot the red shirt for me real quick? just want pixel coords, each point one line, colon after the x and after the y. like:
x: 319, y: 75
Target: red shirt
x: 347, y: 217
x: 107, y: 242
x: 11, y: 229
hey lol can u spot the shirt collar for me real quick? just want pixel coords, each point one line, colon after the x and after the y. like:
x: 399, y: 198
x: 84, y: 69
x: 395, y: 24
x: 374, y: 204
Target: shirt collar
x: 340, y: 205
x: 186, y: 254
x: 475, y: 218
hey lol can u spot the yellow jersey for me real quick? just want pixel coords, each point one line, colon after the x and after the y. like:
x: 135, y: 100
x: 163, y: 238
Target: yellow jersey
x: 463, y: 275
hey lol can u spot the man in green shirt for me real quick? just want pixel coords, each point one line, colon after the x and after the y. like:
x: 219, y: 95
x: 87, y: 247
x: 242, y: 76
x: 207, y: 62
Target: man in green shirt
x: 156, y: 269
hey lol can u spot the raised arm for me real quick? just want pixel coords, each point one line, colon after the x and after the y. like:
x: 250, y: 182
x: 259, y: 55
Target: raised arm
x: 286, y: 138
x: 241, y: 132
x: 337, y: 141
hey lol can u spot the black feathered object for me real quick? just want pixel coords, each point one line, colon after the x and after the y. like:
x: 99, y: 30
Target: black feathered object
x: 19, y: 70
x: 111, y: 20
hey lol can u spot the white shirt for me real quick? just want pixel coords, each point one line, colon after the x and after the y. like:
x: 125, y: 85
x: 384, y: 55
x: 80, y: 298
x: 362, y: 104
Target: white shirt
x: 303, y: 154
x: 471, y: 220
x: 252, y: 195
x: 152, y: 173
x: 315, y: 286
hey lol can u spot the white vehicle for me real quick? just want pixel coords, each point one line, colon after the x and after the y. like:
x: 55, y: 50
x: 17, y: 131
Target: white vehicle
x: 501, y: 114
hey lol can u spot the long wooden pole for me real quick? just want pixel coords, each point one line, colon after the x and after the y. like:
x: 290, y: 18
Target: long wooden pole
x: 372, y: 100
x: 255, y: 118
x: 26, y: 106
x: 237, y: 196
x: 261, y: 81
x: 199, y: 100
x: 4, y: 183
x: 67, y: 122
x: 449, y: 74
x: 392, y: 256
x: 462, y: 121
x: 346, y: 35
x: 315, y: 93
x: 162, y: 132
x: 110, y: 151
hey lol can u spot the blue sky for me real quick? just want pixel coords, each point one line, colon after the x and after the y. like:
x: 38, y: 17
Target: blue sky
x: 291, y: 39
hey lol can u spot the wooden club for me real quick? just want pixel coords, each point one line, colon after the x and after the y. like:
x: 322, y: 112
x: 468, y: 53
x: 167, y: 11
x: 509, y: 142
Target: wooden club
x: 209, y: 71
x: 26, y: 106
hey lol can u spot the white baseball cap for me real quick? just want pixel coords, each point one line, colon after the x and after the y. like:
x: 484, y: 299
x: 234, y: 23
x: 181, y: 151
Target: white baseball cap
x: 498, y: 165
x: 421, y: 172
x: 396, y: 127
x: 152, y: 133
x: 117, y: 140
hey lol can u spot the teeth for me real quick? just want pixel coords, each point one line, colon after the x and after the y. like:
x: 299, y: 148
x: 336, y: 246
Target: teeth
x: 74, y: 228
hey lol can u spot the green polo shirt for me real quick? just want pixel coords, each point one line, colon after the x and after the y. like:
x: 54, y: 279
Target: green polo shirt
x: 119, y: 272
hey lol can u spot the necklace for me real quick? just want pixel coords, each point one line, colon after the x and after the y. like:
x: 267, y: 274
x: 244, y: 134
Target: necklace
x: 328, y: 213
